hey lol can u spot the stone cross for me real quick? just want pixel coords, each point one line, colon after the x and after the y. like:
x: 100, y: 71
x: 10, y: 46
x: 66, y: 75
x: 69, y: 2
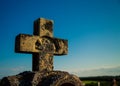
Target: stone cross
x: 41, y: 45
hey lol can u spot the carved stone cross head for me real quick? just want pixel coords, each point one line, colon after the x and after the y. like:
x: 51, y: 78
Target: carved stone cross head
x: 41, y: 45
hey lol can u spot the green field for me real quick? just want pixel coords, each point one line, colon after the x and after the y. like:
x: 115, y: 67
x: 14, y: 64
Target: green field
x: 104, y: 80
x: 95, y: 83
x: 90, y: 82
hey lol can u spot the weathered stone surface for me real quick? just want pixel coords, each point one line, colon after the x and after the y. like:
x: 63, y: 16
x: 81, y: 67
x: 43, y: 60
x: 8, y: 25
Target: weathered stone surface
x: 53, y: 78
x: 41, y: 45
x: 35, y: 44
x: 26, y: 43
x: 43, y: 27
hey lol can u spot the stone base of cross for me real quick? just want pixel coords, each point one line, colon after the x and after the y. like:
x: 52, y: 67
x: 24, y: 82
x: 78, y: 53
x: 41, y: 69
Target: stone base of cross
x: 41, y: 45
x: 51, y: 78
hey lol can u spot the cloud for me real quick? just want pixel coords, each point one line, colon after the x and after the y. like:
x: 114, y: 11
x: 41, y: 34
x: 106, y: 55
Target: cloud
x: 98, y: 71
x: 18, y: 69
x: 12, y: 71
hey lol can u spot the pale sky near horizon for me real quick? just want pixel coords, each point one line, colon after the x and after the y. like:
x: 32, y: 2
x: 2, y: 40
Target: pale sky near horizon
x: 92, y: 28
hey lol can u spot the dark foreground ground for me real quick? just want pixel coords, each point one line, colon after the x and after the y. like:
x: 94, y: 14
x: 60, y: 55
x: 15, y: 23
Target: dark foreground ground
x: 104, y: 80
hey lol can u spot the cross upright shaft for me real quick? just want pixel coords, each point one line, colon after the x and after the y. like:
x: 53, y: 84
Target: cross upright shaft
x: 43, y: 61
x: 41, y: 45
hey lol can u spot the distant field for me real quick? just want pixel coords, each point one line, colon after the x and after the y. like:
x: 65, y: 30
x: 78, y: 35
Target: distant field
x: 89, y: 82
x: 95, y: 83
x: 103, y: 80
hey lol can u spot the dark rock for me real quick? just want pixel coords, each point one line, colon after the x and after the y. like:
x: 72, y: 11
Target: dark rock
x: 53, y: 78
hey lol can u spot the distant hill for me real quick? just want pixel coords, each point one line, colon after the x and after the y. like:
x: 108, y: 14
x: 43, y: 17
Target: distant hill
x: 101, y: 78
x: 98, y: 71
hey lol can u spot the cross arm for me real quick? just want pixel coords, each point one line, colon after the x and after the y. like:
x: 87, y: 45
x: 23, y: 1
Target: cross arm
x: 25, y: 43
x: 61, y: 46
x: 34, y: 44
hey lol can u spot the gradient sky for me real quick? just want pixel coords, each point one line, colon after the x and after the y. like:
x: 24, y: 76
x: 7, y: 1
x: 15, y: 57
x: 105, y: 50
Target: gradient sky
x: 92, y: 28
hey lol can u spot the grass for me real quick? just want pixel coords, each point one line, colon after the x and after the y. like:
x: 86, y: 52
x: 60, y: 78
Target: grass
x: 102, y: 83
x: 104, y: 80
x: 88, y: 82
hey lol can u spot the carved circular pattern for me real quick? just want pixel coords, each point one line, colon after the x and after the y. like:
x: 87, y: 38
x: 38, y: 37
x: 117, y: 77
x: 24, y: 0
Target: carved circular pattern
x: 44, y: 45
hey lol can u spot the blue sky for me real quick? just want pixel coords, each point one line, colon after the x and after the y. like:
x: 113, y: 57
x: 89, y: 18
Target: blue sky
x: 92, y: 28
